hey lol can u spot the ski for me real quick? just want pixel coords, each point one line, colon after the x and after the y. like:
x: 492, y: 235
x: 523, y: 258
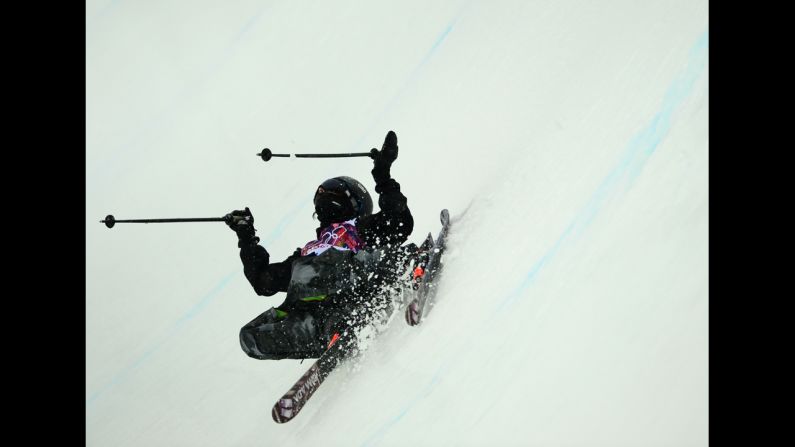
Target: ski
x: 288, y: 407
x: 428, y: 270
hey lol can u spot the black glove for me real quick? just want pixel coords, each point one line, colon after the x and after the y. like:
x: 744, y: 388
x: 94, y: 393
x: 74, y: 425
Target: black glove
x: 242, y: 223
x: 388, y: 152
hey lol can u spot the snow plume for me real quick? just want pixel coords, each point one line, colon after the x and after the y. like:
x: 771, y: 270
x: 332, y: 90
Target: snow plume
x: 573, y: 309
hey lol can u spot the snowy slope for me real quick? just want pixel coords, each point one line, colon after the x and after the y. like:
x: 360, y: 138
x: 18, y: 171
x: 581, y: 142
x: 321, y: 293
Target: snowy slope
x: 574, y: 306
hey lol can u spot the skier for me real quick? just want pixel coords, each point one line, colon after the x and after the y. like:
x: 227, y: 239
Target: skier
x: 336, y: 280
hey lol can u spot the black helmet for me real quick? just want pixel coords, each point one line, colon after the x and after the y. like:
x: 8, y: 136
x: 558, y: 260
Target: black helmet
x: 341, y: 198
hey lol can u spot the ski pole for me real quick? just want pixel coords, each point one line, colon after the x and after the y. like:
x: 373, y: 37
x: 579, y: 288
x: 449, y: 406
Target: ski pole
x: 110, y: 221
x: 266, y: 154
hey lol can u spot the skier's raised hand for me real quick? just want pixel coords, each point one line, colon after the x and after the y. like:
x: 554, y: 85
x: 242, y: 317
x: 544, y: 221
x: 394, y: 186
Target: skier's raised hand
x: 388, y: 152
x: 241, y: 222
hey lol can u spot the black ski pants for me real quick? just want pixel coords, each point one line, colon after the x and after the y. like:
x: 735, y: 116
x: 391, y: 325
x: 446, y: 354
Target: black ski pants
x: 300, y: 334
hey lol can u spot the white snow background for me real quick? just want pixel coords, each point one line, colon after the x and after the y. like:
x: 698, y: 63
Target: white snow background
x: 574, y: 304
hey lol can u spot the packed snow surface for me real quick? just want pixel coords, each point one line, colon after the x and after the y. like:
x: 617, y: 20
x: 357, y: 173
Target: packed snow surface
x: 573, y: 309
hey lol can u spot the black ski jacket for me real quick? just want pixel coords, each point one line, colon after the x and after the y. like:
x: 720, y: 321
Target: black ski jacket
x: 388, y: 228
